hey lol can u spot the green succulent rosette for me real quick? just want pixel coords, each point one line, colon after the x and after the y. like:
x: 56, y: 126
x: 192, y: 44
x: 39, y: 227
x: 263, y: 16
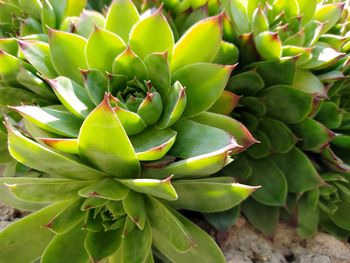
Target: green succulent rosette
x: 137, y: 133
x: 291, y: 92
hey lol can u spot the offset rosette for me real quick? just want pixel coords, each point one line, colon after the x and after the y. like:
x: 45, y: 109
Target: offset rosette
x: 131, y: 139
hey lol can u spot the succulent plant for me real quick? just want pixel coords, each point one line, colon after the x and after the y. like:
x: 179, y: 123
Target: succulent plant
x: 291, y: 86
x: 137, y: 133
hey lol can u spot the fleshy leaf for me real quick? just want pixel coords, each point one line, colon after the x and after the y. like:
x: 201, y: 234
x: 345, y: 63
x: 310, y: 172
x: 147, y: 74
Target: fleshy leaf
x: 299, y: 171
x: 67, y: 54
x: 62, y: 245
x: 113, y: 152
x: 204, y: 82
x: 96, y: 85
x: 134, y: 206
x: 164, y: 222
x: 341, y: 215
x: 156, y: 26
x: 152, y: 144
x: 63, y: 145
x: 204, y: 157
x: 158, y: 188
x: 174, y: 106
x: 133, y: 240
x: 203, y: 196
x: 268, y: 45
x: 230, y: 125
x: 102, y: 244
x: 51, y: 120
x: 43, y: 190
x: 204, y: 248
x: 107, y: 189
x: 121, y: 17
x: 102, y: 48
x: 67, y: 218
x: 206, y: 34
x: 273, y: 191
x: 329, y: 14
x: 246, y: 83
x: 16, y: 249
x: 263, y: 217
x: 287, y: 103
x: 132, y: 122
x: 73, y: 96
x: 308, y: 82
x: 158, y: 72
x: 128, y: 63
x: 38, y: 54
x: 226, y: 103
x: 222, y: 221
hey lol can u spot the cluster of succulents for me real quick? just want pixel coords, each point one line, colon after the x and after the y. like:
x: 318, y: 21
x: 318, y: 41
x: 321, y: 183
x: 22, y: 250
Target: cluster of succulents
x: 114, y: 121
x: 116, y: 133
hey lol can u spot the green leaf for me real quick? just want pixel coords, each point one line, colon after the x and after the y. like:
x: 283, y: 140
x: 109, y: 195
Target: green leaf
x: 135, y: 240
x: 259, y: 21
x: 132, y: 122
x: 307, y: 9
x: 55, y: 121
x: 48, y: 17
x: 273, y: 191
x: 69, y: 217
x: 309, y: 83
x: 63, y: 245
x: 63, y: 145
x: 174, y: 105
x: 204, y: 83
x: 332, y: 228
x: 38, y: 54
x: 261, y: 149
x: 158, y: 72
x: 299, y: 171
x: 158, y: 188
x: 328, y: 14
x: 73, y: 96
x: 323, y: 56
x: 107, y: 189
x: 9, y: 67
x: 129, y: 64
x: 150, y: 108
x: 207, y: 34
x: 246, y: 83
x: 268, y: 45
x: 43, y: 159
x: 96, y: 85
x: 314, y: 134
x: 289, y: 8
x: 43, y: 190
x: 279, y: 135
x: 275, y: 72
x: 122, y: 16
x: 102, y: 244
x: 226, y: 103
x: 222, y: 221
x: 67, y: 54
x: 288, y: 104
x: 164, y: 222
x: 204, y: 249
x: 263, y: 217
x: 238, y: 14
x: 102, y: 48
x: 208, y: 197
x: 35, y: 84
x: 308, y: 215
x: 156, y: 26
x: 29, y: 228
x: 113, y: 152
x: 341, y: 216
x: 152, y: 144
x: 134, y: 206
x: 204, y: 150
